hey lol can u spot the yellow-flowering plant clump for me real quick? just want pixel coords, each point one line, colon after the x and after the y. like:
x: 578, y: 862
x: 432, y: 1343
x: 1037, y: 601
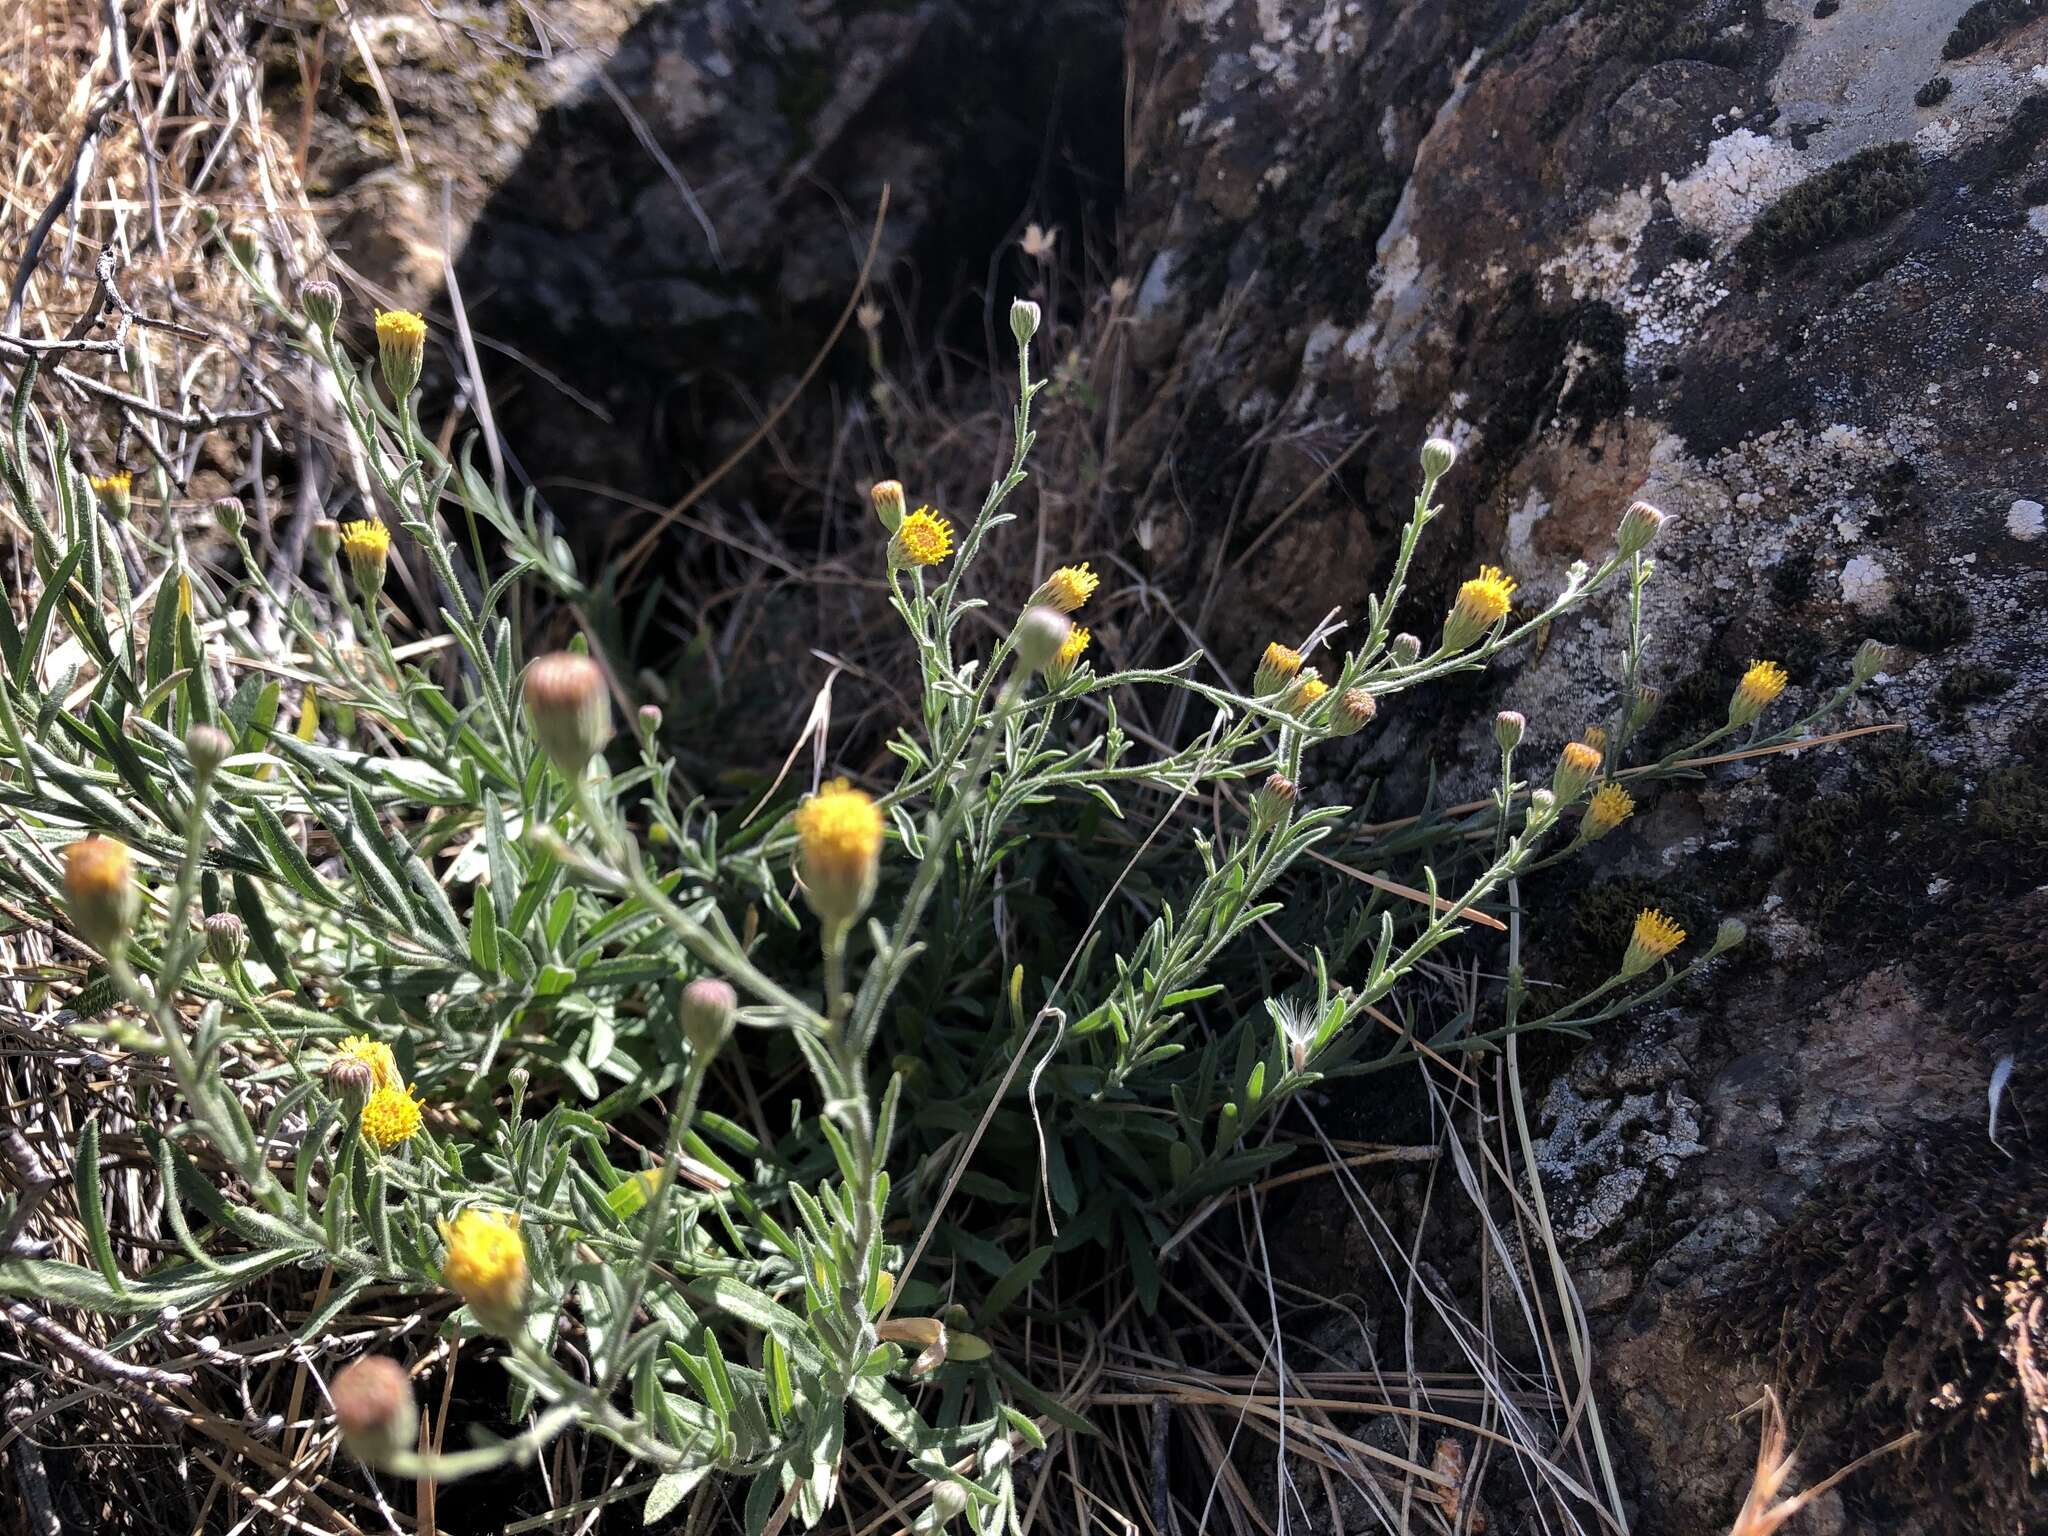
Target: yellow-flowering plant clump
x: 776, y: 1115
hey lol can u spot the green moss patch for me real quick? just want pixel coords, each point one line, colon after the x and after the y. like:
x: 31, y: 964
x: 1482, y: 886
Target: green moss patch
x: 1844, y: 202
x: 1987, y: 21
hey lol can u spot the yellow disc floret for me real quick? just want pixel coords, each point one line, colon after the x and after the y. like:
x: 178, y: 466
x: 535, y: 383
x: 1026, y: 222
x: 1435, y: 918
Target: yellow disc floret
x: 1068, y: 587
x: 390, y: 1118
x: 839, y: 849
x: 1305, y: 697
x: 375, y: 1055
x: 1482, y: 603
x: 1654, y: 937
x: 401, y: 342
x: 1759, y: 688
x: 1610, y: 807
x: 922, y: 538
x: 1067, y: 657
x: 486, y: 1266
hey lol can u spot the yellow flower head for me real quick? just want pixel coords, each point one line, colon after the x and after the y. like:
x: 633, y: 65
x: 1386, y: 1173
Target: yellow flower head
x: 486, y: 1266
x: 99, y: 890
x: 390, y: 1118
x: 1760, y: 686
x: 1305, y: 697
x: 839, y: 850
x: 401, y: 342
x: 1595, y: 736
x: 1067, y: 657
x: 375, y: 1055
x: 1068, y: 587
x: 1482, y: 603
x: 367, y: 544
x: 1655, y: 936
x: 1576, y: 767
x: 1610, y: 807
x: 922, y: 538
x: 114, y: 492
x: 1277, y: 668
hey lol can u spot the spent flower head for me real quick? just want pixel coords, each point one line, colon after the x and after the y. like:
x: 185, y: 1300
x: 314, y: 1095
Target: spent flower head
x: 923, y: 538
x: 1653, y: 937
x: 1759, y: 688
x: 839, y: 850
x: 486, y: 1266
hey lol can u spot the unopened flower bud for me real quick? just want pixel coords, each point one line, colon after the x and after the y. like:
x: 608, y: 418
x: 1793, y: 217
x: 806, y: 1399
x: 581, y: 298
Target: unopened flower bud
x: 889, y: 505
x: 1508, y: 728
x: 949, y: 1502
x: 321, y: 302
x: 327, y: 538
x: 1542, y: 806
x: 1303, y: 693
x: 229, y: 515
x: 401, y: 349
x: 1438, y: 455
x: 99, y: 891
x: 1638, y: 528
x: 208, y: 746
x: 375, y: 1409
x: 352, y: 1080
x: 226, y: 939
x: 1353, y: 712
x: 570, y: 709
x: 1643, y: 707
x: 1405, y: 649
x: 1040, y: 634
x: 1274, y: 799
x: 649, y: 717
x: 1872, y: 657
x: 1023, y: 320
x: 708, y: 1007
x: 1731, y: 933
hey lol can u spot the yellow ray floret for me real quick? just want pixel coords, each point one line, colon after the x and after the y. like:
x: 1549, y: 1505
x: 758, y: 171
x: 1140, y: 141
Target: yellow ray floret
x: 1759, y: 688
x: 401, y: 329
x: 1654, y: 937
x: 1068, y: 587
x: 1484, y: 600
x: 375, y: 1055
x: 1610, y: 807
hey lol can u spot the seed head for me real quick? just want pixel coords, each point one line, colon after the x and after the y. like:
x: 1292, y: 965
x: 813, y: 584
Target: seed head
x: 375, y: 1409
x: 486, y: 1266
x: 99, y: 890
x: 1482, y: 603
x: 1760, y: 686
x: 839, y: 851
x: 923, y: 538
x: 569, y: 708
x: 401, y: 346
x: 1654, y: 937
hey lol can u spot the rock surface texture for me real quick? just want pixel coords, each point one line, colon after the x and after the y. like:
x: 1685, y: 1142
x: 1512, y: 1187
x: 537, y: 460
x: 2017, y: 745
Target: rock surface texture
x: 1780, y: 268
